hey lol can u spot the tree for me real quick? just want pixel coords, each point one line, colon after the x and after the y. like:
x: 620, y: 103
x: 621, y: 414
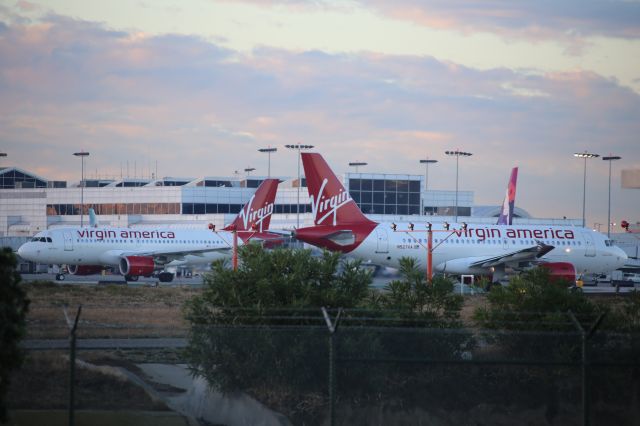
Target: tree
x: 414, y: 297
x: 13, y: 309
x: 277, y: 279
x: 533, y: 301
x: 271, y: 288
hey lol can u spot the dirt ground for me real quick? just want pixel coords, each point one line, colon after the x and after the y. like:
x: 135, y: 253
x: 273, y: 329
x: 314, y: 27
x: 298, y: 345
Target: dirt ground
x: 119, y: 311
x: 107, y: 311
x: 43, y: 383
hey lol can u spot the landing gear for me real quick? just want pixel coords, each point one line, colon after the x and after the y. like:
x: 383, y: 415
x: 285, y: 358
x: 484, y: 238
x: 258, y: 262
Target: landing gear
x: 165, y: 277
x: 131, y: 278
x: 59, y: 277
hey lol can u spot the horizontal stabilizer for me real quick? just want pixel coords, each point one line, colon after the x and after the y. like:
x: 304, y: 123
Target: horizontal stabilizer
x: 343, y: 237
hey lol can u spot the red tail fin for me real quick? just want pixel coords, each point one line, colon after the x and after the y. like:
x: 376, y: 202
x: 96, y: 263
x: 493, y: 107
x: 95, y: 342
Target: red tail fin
x: 506, y: 214
x: 331, y: 204
x: 256, y: 214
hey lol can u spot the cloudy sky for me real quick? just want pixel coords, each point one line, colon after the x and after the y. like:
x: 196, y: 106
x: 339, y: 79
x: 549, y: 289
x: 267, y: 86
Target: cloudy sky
x: 199, y: 85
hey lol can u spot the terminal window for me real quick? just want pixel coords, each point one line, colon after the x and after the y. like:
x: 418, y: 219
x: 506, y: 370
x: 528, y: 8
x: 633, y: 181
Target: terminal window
x: 386, y: 196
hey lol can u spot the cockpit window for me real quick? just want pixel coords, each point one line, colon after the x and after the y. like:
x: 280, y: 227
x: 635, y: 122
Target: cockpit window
x: 608, y: 243
x: 42, y: 239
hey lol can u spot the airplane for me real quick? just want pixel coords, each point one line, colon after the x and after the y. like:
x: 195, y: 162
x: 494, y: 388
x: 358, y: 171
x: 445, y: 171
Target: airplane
x: 506, y: 214
x: 144, y: 251
x: 494, y: 250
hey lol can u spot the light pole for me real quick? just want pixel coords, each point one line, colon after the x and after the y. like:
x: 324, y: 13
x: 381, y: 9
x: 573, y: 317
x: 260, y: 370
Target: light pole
x: 457, y: 153
x: 299, y: 148
x: 268, y: 151
x: 248, y: 170
x: 610, y: 158
x: 585, y: 155
x: 81, y: 154
x: 426, y: 172
x: 2, y: 155
x: 356, y: 164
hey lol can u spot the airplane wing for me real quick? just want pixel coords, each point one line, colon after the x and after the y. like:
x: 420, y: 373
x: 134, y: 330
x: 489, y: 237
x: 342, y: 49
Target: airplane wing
x: 523, y: 255
x: 166, y: 256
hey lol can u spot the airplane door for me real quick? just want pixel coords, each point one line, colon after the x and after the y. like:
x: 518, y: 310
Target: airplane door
x: 590, y: 246
x: 68, y: 241
x: 383, y: 241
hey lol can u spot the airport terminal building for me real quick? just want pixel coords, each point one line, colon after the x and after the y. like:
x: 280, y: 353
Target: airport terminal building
x: 31, y: 203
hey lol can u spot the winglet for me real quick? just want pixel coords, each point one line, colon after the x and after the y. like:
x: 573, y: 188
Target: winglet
x: 93, y: 220
x: 256, y: 214
x: 506, y: 214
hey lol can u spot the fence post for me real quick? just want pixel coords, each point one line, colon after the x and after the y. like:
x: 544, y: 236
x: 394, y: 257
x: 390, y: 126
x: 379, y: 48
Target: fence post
x: 585, y: 336
x: 73, y: 325
x: 333, y: 327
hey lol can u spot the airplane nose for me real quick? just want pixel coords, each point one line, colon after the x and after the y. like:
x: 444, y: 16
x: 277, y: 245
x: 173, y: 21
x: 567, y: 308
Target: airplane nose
x: 622, y: 257
x: 24, y: 251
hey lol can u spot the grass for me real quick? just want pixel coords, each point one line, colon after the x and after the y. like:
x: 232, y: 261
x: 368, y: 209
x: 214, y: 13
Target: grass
x: 107, y: 311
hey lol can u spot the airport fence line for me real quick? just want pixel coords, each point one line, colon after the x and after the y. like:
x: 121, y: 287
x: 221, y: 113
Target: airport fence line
x: 363, y: 367
x: 334, y: 366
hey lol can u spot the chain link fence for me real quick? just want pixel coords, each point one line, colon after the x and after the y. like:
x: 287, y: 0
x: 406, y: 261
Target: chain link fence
x: 337, y: 367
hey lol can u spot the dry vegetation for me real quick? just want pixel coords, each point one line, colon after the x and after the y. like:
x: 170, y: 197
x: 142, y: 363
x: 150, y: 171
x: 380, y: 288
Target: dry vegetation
x: 121, y: 311
x: 107, y: 311
x: 43, y: 383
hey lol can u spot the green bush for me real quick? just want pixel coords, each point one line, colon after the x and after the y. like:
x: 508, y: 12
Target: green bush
x: 279, y: 279
x: 426, y: 318
x: 413, y: 297
x: 627, y: 316
x: 13, y: 309
x: 533, y: 301
x: 271, y: 288
x: 261, y: 325
x: 535, y: 318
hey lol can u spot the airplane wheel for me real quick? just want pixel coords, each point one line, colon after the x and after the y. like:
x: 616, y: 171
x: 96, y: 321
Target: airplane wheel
x: 131, y: 278
x: 59, y: 277
x: 165, y: 277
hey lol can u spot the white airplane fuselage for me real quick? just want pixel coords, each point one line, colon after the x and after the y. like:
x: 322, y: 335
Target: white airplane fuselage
x: 106, y: 246
x: 455, y: 251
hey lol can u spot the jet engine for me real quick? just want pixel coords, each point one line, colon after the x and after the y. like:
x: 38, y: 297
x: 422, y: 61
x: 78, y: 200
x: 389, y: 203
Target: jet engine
x: 137, y: 266
x: 561, y: 271
x: 85, y: 269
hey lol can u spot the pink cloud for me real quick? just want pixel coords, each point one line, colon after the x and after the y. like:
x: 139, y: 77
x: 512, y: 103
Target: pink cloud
x: 27, y: 6
x: 66, y: 85
x: 565, y: 22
